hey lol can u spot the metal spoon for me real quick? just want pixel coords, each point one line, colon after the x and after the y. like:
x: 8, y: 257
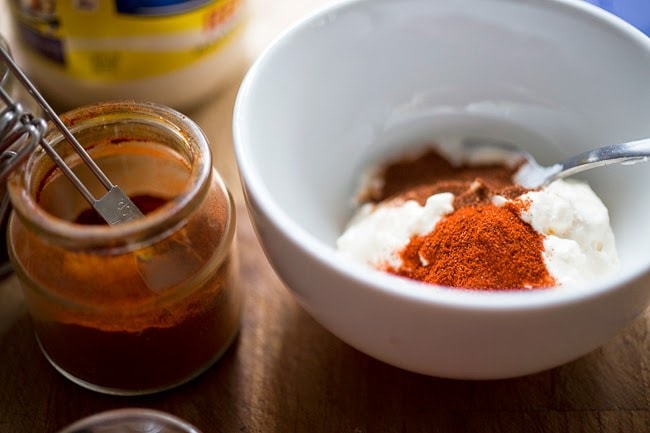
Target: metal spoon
x: 533, y: 175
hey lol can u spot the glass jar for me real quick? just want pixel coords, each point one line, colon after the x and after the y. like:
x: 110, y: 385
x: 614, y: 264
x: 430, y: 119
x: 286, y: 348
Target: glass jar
x: 143, y: 306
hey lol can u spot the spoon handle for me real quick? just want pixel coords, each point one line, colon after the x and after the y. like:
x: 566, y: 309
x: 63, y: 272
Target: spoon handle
x: 625, y: 153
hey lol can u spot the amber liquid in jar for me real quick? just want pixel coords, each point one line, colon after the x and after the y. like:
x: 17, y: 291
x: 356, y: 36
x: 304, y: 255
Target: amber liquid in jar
x: 132, y: 314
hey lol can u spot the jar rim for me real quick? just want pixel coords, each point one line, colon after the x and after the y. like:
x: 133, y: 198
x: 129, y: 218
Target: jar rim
x: 25, y: 204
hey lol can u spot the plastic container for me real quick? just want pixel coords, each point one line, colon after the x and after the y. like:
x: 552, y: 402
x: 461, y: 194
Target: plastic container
x: 174, y: 52
x: 143, y: 306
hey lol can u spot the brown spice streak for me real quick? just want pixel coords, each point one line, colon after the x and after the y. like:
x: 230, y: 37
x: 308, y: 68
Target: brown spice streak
x: 430, y: 173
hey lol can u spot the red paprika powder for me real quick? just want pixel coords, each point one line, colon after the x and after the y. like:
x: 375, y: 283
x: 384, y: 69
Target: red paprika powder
x: 479, y: 245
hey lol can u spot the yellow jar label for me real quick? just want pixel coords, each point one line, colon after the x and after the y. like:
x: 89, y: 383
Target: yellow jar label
x: 121, y: 40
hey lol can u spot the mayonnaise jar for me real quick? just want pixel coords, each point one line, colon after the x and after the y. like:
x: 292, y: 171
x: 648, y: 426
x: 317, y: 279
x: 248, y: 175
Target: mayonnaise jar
x: 174, y: 52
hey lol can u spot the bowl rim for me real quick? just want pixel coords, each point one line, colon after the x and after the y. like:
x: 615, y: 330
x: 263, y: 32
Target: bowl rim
x: 371, y: 279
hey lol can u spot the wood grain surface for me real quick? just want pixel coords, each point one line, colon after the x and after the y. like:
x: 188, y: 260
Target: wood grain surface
x: 285, y: 373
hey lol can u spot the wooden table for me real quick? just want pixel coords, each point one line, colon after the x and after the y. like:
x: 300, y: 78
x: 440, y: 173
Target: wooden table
x: 285, y: 373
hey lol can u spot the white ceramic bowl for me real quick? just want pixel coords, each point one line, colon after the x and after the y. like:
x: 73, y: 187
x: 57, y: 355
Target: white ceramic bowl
x: 361, y: 80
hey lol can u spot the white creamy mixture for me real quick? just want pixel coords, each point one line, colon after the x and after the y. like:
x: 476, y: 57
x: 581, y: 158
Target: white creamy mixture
x: 578, y: 240
x: 377, y: 233
x: 579, y: 243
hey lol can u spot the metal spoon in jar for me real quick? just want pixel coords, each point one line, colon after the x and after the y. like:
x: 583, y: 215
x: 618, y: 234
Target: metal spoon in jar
x: 533, y: 175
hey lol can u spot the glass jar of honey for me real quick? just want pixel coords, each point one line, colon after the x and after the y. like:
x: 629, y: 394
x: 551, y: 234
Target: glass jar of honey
x: 143, y: 306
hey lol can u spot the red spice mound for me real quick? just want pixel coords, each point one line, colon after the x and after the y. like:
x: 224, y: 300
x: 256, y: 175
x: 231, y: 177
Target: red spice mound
x: 478, y: 246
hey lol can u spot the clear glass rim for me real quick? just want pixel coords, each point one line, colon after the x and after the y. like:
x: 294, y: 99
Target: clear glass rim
x: 117, y: 418
x: 159, y: 222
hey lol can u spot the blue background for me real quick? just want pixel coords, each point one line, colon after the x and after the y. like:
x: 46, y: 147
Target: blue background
x: 636, y: 12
